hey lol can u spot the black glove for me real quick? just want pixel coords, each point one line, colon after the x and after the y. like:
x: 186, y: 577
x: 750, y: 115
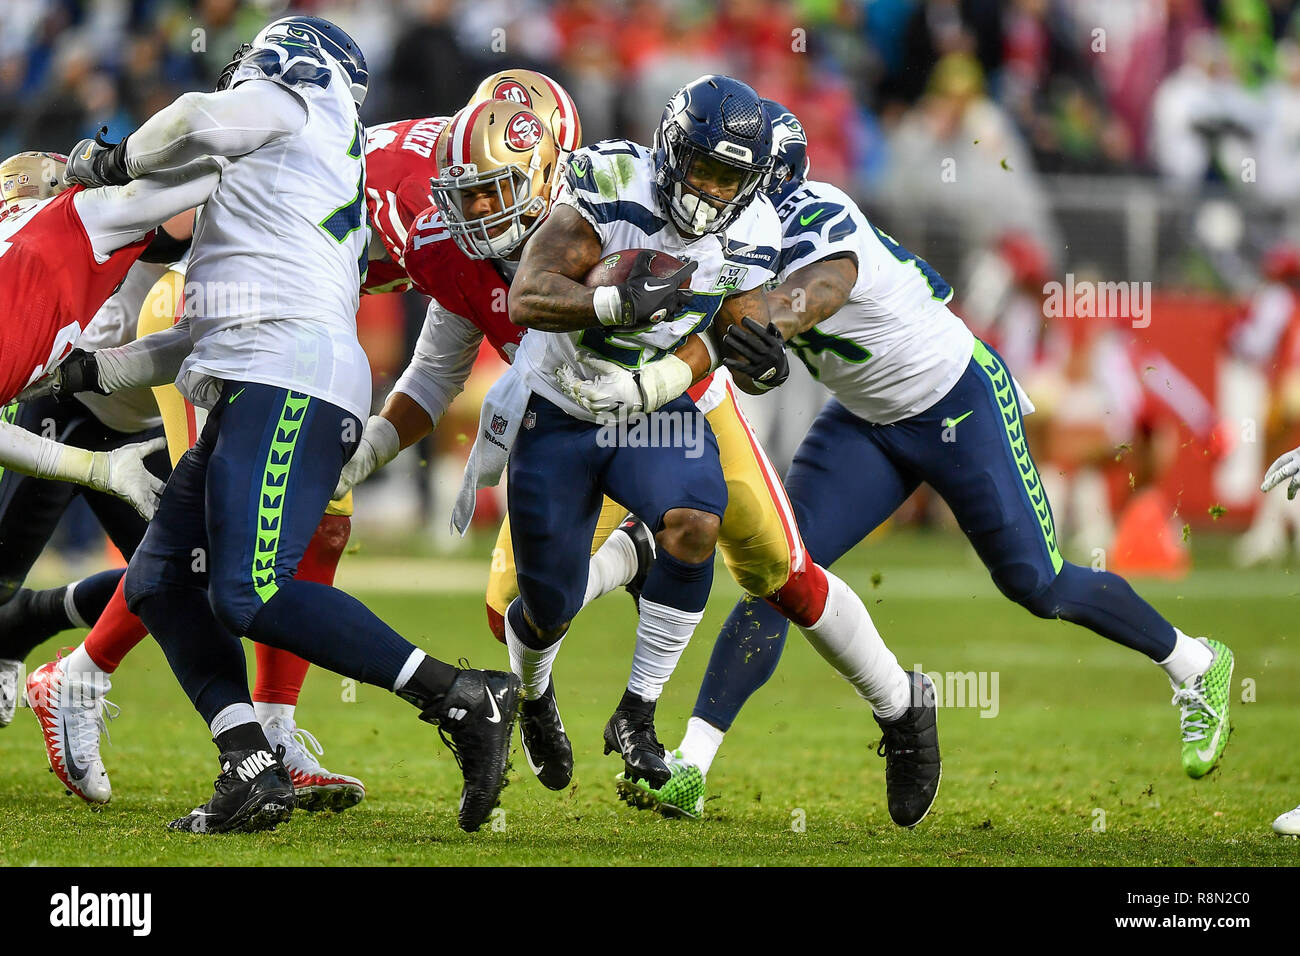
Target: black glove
x: 97, y: 162
x: 79, y: 372
x: 645, y: 298
x: 758, y: 352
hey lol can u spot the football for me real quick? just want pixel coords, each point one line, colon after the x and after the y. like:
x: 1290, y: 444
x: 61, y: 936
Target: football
x: 614, y: 268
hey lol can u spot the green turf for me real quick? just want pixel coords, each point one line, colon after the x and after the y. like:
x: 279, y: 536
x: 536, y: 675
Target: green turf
x: 1083, y: 726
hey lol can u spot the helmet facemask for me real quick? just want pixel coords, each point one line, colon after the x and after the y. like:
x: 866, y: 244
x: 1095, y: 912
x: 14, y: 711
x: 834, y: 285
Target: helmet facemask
x: 694, y: 211
x: 517, y: 208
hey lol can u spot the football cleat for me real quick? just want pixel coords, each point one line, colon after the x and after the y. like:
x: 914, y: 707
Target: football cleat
x: 72, y: 714
x: 253, y: 792
x: 10, y: 672
x: 1203, y: 712
x: 475, y: 719
x: 681, y: 796
x: 314, y: 787
x: 644, y: 543
x: 546, y: 745
x: 1288, y: 824
x: 910, y: 746
x: 632, y: 735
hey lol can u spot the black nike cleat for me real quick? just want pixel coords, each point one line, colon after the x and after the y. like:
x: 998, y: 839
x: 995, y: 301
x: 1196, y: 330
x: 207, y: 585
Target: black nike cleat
x: 910, y: 747
x: 546, y: 745
x: 253, y: 792
x: 475, y: 718
x: 632, y: 734
x: 644, y: 543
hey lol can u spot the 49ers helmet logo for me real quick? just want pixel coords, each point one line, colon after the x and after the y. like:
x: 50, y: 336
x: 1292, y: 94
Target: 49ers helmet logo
x: 514, y: 91
x: 523, y: 132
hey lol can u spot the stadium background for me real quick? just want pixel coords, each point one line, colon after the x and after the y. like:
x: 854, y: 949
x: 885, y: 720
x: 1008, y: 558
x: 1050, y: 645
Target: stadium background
x: 1012, y: 144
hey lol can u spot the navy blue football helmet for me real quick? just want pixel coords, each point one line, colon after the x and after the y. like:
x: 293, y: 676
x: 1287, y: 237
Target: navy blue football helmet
x: 790, y: 163
x: 316, y: 34
x: 718, y: 122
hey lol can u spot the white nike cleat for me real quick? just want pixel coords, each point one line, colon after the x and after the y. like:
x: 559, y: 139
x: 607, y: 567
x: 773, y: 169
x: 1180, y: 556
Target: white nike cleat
x: 1288, y: 824
x: 72, y: 714
x: 314, y: 787
x: 10, y: 672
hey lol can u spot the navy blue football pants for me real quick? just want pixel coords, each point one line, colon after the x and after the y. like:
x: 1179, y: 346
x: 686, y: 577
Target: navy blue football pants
x: 849, y: 475
x: 219, y: 558
x: 562, y: 467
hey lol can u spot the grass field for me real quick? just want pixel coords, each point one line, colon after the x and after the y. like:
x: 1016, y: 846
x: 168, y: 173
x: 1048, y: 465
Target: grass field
x: 1082, y: 726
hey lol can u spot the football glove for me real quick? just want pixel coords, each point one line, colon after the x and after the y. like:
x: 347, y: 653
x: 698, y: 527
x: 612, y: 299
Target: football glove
x: 644, y: 298
x: 1286, y: 466
x: 122, y: 472
x: 79, y: 372
x: 378, y: 446
x: 757, y: 352
x: 620, y: 391
x: 97, y: 162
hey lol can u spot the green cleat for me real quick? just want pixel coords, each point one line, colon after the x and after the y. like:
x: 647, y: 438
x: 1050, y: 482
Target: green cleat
x: 681, y: 796
x: 1203, y: 712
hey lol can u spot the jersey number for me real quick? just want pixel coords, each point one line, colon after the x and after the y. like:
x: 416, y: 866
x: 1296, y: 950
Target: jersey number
x: 345, y: 220
x: 812, y: 342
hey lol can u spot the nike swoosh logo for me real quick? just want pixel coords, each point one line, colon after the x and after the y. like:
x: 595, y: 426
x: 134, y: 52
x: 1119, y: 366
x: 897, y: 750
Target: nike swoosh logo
x: 808, y: 220
x: 536, y: 768
x: 235, y: 396
x: 649, y: 287
x: 954, y: 422
x: 1207, y: 753
x: 89, y: 150
x: 496, y: 711
x: 75, y: 772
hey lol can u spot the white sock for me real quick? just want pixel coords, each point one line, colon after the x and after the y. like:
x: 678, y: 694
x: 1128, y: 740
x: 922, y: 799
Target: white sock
x: 847, y: 637
x: 70, y: 606
x: 701, y: 743
x: 231, y: 717
x: 267, y: 712
x: 661, y: 635
x: 612, y: 566
x: 531, y: 666
x: 1189, y: 658
x: 82, y: 670
x: 408, y: 669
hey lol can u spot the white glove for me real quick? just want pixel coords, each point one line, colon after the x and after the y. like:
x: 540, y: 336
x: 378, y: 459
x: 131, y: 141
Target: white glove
x: 615, y: 389
x: 1287, y: 466
x: 122, y: 472
x: 379, y: 445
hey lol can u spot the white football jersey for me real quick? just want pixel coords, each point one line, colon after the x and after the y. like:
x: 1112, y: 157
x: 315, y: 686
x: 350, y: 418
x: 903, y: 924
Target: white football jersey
x: 612, y: 185
x: 278, y: 255
x: 131, y: 409
x: 895, y: 348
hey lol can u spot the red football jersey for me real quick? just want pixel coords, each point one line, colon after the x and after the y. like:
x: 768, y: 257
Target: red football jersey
x: 399, y: 165
x: 50, y: 287
x: 471, y: 288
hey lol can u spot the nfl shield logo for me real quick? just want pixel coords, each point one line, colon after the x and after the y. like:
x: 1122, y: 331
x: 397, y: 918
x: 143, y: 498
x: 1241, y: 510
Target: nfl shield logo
x: 530, y: 419
x: 499, y: 424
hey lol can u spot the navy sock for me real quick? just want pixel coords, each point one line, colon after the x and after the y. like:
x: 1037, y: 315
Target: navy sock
x: 678, y: 584
x: 744, y: 656
x: 332, y: 629
x: 91, y: 595
x: 30, y: 618
x: 1105, y: 603
x: 249, y: 736
x: 206, y: 658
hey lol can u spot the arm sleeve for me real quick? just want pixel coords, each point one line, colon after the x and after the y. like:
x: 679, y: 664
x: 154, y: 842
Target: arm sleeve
x: 116, y: 216
x: 444, y: 355
x: 226, y: 123
x: 153, y: 360
x: 31, y: 454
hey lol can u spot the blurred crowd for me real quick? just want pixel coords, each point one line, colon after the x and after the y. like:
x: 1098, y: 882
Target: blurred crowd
x: 960, y: 124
